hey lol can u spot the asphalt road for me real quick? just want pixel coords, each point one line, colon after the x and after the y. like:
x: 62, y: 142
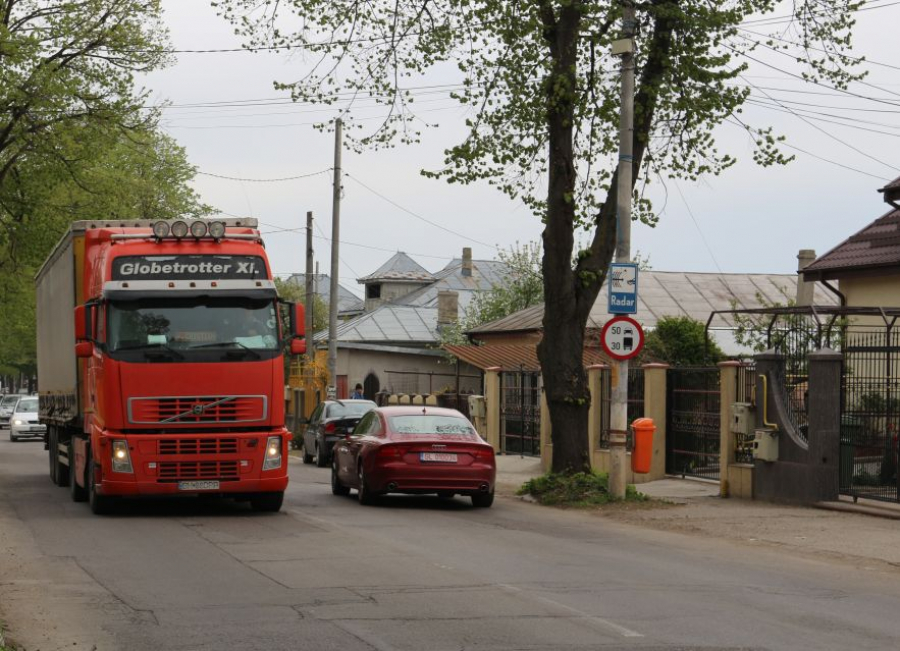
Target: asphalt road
x: 413, y: 573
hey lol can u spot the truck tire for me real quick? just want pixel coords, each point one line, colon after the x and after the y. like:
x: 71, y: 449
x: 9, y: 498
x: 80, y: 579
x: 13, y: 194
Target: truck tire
x: 100, y: 504
x: 78, y: 493
x: 51, y: 435
x: 267, y: 502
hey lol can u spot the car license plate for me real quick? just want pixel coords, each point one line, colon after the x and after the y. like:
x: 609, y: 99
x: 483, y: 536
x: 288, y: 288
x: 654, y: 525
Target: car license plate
x: 442, y: 457
x: 198, y: 485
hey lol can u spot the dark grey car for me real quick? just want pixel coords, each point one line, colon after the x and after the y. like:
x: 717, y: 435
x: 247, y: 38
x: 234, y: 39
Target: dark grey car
x: 330, y: 422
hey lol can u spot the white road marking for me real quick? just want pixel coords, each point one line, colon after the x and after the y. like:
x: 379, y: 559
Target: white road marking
x: 621, y: 630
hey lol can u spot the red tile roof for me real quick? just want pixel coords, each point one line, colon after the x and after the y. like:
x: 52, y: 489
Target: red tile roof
x: 512, y: 357
x: 875, y: 246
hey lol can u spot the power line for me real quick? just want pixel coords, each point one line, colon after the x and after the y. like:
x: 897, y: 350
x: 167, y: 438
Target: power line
x: 340, y: 258
x: 697, y: 226
x: 830, y: 135
x: 416, y: 215
x: 737, y: 122
x: 812, y: 115
x: 348, y: 243
x: 818, y: 49
x: 775, y: 20
x: 275, y: 180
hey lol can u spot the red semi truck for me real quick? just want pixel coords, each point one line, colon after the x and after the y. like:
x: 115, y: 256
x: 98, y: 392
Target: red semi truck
x: 160, y: 362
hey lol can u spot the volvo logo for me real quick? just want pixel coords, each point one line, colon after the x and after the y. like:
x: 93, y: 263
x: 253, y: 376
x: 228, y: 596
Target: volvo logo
x: 198, y: 409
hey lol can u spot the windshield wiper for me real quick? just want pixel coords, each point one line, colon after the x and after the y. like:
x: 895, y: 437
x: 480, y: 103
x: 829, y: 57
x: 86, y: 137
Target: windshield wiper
x: 146, y: 346
x: 215, y: 344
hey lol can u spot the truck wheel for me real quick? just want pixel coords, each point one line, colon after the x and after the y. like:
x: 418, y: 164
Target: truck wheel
x: 78, y: 493
x: 307, y: 457
x: 100, y: 504
x: 267, y: 502
x: 321, y: 457
x: 53, y: 452
x: 62, y: 470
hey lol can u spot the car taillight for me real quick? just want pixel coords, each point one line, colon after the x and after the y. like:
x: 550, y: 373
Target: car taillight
x: 330, y: 427
x: 392, y: 451
x: 484, y: 454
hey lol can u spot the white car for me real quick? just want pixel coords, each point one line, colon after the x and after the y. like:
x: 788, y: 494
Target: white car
x: 24, y: 421
x: 7, y: 404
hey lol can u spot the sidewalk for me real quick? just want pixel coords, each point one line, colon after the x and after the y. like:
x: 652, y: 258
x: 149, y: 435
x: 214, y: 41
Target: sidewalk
x: 838, y: 531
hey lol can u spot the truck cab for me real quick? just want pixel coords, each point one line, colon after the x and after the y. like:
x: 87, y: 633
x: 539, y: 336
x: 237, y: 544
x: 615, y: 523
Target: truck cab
x: 179, y: 340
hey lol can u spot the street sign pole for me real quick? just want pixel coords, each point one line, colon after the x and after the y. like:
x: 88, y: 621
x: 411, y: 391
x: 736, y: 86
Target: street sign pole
x: 619, y: 399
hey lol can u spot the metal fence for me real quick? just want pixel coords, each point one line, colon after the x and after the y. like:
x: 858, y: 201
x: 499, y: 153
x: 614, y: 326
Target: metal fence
x: 870, y: 418
x: 635, y: 403
x: 694, y: 422
x: 520, y: 413
x: 746, y: 393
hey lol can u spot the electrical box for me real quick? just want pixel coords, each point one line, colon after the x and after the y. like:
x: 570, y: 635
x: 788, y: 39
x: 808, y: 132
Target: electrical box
x: 477, y: 407
x: 743, y: 419
x: 765, y: 444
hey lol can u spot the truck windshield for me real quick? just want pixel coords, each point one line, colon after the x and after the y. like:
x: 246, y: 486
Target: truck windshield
x: 179, y: 325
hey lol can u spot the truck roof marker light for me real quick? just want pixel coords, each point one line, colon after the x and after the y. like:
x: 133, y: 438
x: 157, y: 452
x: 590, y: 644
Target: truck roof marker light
x: 193, y: 284
x: 171, y: 284
x: 198, y: 229
x: 217, y: 230
x: 160, y: 230
x: 179, y: 229
x: 214, y: 284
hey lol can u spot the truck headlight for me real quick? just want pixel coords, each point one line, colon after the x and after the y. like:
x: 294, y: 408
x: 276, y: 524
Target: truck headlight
x: 121, y: 460
x: 273, y: 453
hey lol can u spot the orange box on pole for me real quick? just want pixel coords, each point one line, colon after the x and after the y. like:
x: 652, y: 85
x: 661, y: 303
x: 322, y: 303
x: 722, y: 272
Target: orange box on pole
x: 642, y: 455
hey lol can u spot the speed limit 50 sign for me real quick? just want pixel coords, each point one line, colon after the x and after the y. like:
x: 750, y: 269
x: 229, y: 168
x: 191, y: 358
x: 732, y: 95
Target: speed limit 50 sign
x: 622, y: 338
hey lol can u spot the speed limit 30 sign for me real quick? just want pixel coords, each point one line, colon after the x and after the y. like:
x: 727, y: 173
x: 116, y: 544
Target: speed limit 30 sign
x: 622, y: 338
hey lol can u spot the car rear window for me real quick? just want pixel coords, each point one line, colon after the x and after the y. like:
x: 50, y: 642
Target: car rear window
x: 27, y: 405
x: 426, y: 424
x: 349, y: 409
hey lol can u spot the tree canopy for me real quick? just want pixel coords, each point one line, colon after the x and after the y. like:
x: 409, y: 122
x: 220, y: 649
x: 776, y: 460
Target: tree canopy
x: 541, y: 85
x: 680, y: 341
x: 76, y: 140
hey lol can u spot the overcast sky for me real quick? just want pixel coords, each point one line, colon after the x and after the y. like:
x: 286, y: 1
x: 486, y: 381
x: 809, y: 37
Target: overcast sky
x: 750, y: 219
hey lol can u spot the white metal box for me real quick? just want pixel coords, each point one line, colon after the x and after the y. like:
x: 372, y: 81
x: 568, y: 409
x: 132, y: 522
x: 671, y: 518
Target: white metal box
x: 765, y: 444
x: 743, y: 419
x: 477, y: 407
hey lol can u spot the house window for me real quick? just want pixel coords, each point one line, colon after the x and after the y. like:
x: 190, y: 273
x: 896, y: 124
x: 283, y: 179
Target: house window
x: 373, y: 291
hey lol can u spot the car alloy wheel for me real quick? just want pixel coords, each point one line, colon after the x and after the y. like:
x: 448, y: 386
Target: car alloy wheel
x: 321, y: 457
x: 337, y: 488
x: 365, y: 495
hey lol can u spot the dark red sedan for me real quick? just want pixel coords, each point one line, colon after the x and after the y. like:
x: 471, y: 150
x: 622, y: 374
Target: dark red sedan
x: 414, y: 450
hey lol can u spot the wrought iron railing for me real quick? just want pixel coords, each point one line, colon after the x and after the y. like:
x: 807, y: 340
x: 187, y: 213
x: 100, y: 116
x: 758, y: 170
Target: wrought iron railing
x: 635, y: 404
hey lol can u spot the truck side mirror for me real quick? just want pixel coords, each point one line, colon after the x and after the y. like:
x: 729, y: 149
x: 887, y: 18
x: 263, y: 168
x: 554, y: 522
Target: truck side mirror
x: 84, y: 322
x: 298, y: 346
x: 298, y: 319
x: 84, y: 349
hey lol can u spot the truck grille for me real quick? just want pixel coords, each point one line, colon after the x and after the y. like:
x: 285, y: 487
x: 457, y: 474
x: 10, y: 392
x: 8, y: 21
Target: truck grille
x: 198, y: 446
x: 193, y: 410
x: 175, y: 471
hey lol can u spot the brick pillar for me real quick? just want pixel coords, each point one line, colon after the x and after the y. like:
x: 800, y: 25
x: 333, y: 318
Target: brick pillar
x: 655, y: 408
x: 825, y: 422
x: 595, y: 387
x: 728, y: 377
x: 492, y: 405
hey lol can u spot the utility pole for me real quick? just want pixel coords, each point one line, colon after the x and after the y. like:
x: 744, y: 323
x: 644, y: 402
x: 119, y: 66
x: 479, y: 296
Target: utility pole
x: 619, y: 404
x: 310, y: 290
x: 335, y: 239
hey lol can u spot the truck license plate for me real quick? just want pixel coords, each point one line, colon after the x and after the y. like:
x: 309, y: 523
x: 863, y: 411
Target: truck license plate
x: 198, y: 485
x: 444, y: 457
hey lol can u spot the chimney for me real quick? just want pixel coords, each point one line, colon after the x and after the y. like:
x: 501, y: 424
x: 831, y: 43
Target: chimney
x: 448, y: 307
x: 805, y: 288
x: 467, y: 261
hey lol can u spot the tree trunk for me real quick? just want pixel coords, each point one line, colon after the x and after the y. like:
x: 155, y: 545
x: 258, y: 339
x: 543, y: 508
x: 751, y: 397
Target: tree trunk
x: 570, y: 294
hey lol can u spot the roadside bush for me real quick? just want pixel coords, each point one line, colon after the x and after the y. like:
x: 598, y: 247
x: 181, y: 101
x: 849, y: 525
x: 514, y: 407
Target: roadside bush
x: 578, y: 490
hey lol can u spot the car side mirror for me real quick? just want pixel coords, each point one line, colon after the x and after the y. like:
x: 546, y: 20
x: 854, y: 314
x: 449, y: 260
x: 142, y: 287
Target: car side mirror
x: 84, y: 349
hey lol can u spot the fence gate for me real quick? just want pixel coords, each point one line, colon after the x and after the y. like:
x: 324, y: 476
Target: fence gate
x: 693, y: 422
x: 870, y: 415
x: 520, y: 414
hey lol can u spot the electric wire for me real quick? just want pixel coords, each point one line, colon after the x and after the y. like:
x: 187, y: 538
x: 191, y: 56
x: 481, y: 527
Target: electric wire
x: 697, y: 225
x: 272, y: 180
x: 416, y: 215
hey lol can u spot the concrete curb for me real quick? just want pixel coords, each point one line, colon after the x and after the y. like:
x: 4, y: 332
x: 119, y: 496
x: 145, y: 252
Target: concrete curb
x: 860, y: 509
